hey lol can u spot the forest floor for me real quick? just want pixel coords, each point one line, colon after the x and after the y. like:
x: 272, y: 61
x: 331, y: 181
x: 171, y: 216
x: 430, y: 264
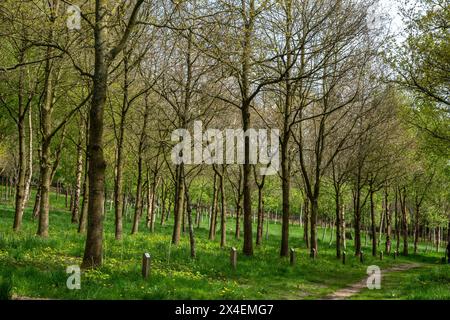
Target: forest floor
x: 37, y: 267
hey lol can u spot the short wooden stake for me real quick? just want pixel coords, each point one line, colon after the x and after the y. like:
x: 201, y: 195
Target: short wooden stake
x: 146, y: 261
x: 292, y: 257
x: 343, y: 257
x: 361, y: 257
x: 381, y: 255
x: 233, y: 258
x: 314, y: 254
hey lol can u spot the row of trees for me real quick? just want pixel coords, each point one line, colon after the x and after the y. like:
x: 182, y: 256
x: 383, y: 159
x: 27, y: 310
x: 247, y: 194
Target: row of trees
x: 97, y: 106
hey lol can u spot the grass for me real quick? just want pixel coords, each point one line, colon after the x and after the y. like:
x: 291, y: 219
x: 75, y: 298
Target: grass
x: 38, y: 266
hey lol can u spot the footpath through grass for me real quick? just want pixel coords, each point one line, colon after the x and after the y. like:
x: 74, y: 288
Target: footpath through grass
x: 426, y: 283
x: 36, y: 267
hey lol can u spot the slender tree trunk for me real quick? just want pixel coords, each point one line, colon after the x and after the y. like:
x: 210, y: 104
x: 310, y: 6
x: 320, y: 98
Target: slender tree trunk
x: 37, y: 202
x: 179, y: 204
x: 46, y: 128
x: 357, y: 208
x: 373, y: 226
x: 93, y: 253
x: 163, y: 202
x: 388, y: 222
x: 84, y: 205
x: 20, y: 186
x: 285, y: 187
x: 45, y: 182
x: 78, y: 175
x: 438, y: 239
x: 237, y: 234
x: 183, y: 220
x: 259, y: 232
x: 138, y: 206
x: 248, y: 16
x: 416, y: 227
x: 448, y: 242
x: 402, y: 194
x: 212, y: 227
x: 338, y: 222
x: 306, y: 222
x: 343, y: 226
x: 223, y: 215
x: 314, y: 214
x: 30, y: 159
x: 151, y: 204
x: 190, y: 224
x: 118, y: 186
x: 397, y: 224
x: 381, y: 228
x: 199, y: 213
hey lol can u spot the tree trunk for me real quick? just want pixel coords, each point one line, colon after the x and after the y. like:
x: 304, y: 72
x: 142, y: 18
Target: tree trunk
x: 37, y: 202
x: 138, y: 206
x: 190, y: 224
x: 397, y: 224
x: 27, y: 192
x: 179, y: 204
x: 373, y: 226
x: 212, y: 224
x: 402, y: 194
x: 285, y: 187
x: 388, y: 222
x: 163, y: 203
x: 438, y: 239
x: 78, y: 175
x: 118, y: 186
x: 46, y: 130
x: 237, y: 234
x: 338, y: 222
x: 84, y: 205
x: 344, y: 242
x: 93, y: 253
x: 151, y: 204
x: 314, y: 214
x: 306, y: 222
x: 20, y: 186
x: 416, y: 227
x: 45, y: 183
x: 259, y: 232
x: 223, y: 215
x: 381, y: 228
x: 357, y: 209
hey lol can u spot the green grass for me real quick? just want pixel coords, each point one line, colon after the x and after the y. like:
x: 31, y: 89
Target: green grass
x: 37, y: 266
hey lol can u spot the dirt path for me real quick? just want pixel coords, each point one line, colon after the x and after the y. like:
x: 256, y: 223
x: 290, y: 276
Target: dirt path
x: 359, y: 286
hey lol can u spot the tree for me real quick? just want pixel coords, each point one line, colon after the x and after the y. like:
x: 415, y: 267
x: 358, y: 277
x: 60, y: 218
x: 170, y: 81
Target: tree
x: 104, y: 56
x: 421, y: 63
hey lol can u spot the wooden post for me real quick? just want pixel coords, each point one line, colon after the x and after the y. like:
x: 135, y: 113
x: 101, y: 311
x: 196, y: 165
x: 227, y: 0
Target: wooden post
x: 361, y: 257
x: 314, y: 254
x: 343, y: 257
x: 381, y: 255
x: 292, y: 257
x: 233, y: 258
x: 146, y: 260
